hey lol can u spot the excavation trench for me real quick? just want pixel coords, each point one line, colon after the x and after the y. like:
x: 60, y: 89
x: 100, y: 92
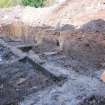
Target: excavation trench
x: 43, y: 65
x: 53, y: 58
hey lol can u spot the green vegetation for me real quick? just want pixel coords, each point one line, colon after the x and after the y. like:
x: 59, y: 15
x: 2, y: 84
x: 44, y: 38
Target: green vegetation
x: 34, y: 3
x: 7, y: 3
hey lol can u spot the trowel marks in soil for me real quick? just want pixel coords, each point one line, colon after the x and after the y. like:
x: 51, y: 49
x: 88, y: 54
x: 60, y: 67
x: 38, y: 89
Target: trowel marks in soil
x: 25, y: 78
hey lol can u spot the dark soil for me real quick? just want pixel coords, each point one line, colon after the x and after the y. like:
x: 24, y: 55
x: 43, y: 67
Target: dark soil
x: 23, y: 78
x: 94, y: 100
x: 26, y: 80
x: 6, y: 55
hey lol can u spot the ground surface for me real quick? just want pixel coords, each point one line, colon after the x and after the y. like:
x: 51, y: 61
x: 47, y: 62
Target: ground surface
x: 82, y: 85
x: 55, y: 54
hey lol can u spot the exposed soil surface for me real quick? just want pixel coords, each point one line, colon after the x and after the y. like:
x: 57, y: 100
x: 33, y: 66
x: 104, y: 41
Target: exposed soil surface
x: 22, y: 79
x: 53, y: 55
x: 83, y: 86
x: 93, y: 100
x: 27, y: 83
x: 6, y: 55
x: 35, y: 78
